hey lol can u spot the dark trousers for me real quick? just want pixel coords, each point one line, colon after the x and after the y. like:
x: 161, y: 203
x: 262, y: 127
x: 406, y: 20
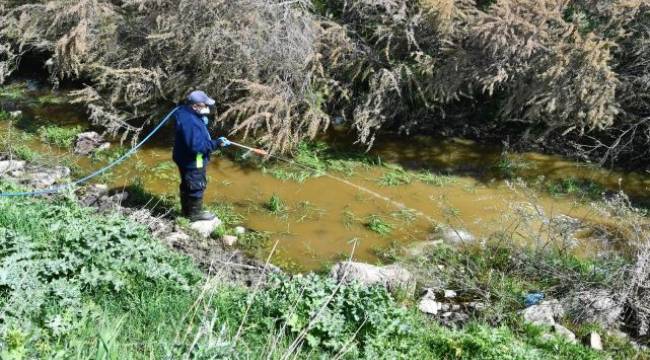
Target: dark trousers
x: 193, y: 182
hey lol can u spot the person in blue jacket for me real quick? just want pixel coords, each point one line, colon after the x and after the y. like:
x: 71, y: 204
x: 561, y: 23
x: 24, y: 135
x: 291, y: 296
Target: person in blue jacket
x: 192, y: 148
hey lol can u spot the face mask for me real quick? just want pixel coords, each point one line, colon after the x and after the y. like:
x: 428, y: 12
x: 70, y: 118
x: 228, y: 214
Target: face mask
x: 204, y: 111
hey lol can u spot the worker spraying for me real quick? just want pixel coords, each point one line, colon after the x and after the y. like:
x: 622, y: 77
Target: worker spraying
x: 192, y: 148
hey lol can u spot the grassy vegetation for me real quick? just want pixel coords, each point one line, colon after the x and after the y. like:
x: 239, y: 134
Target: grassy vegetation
x: 500, y: 273
x: 579, y: 188
x: 4, y: 115
x: 510, y: 165
x: 60, y: 136
x: 435, y: 179
x: 15, y: 91
x: 275, y: 204
x: 377, y: 224
x: 394, y: 175
x: 312, y: 159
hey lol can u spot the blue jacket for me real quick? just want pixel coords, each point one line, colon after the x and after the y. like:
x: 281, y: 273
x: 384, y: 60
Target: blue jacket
x: 192, y: 138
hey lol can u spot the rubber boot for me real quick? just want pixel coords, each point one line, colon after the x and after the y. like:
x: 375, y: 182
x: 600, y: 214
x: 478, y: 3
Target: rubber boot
x: 185, y: 205
x: 196, y: 212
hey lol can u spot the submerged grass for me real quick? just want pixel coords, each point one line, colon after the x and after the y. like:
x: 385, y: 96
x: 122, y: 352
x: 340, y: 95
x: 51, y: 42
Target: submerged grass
x: 435, y: 179
x: 580, y: 188
x: 378, y: 225
x: 395, y: 176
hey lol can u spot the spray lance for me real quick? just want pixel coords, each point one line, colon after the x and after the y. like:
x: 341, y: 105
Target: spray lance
x: 253, y: 150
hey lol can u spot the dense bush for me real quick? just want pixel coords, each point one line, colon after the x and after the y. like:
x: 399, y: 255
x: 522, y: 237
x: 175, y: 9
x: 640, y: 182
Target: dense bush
x: 572, y: 72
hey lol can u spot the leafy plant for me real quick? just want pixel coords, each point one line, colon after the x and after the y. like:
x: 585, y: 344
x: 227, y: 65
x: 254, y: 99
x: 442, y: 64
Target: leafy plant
x: 350, y: 318
x: 377, y: 224
x: 275, y: 205
x: 55, y: 255
x: 60, y: 136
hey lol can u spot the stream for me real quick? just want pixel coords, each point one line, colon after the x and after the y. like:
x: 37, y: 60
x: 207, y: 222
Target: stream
x: 324, y: 217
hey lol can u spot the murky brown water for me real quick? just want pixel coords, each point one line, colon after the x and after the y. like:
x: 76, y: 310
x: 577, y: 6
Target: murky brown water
x: 324, y: 216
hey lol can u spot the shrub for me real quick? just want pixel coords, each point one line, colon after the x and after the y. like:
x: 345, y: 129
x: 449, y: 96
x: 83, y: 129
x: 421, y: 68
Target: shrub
x: 350, y: 319
x: 55, y: 255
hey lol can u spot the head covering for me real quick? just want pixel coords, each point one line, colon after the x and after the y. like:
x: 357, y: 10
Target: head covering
x: 198, y: 96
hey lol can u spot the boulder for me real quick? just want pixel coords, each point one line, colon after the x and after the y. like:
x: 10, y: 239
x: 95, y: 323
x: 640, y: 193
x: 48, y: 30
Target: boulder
x: 90, y: 195
x: 595, y: 342
x: 205, y: 227
x: 544, y: 313
x: 449, y: 294
x: 240, y: 230
x: 176, y: 237
x: 564, y: 333
x: 596, y: 307
x: 394, y: 277
x: 428, y: 303
x: 89, y: 142
x: 46, y: 177
x: 11, y: 165
x: 229, y: 240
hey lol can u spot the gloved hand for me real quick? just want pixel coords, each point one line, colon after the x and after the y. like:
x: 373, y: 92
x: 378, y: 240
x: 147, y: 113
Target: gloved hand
x: 223, y: 142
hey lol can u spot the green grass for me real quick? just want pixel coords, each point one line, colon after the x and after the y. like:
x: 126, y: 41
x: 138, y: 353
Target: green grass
x: 510, y: 166
x: 580, y: 188
x: 378, y: 225
x: 60, y: 136
x: 434, y: 179
x: 25, y: 152
x: 395, y: 175
x: 109, y: 155
x: 14, y: 91
x: 499, y: 273
x: 276, y: 205
x: 4, y: 115
x: 313, y: 159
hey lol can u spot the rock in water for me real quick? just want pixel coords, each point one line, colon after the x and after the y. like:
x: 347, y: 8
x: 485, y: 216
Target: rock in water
x: 595, y: 342
x: 457, y: 236
x: 206, y: 227
x: 393, y: 277
x: 89, y: 142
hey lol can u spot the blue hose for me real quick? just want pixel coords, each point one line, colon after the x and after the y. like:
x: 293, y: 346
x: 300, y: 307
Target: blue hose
x: 60, y: 188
